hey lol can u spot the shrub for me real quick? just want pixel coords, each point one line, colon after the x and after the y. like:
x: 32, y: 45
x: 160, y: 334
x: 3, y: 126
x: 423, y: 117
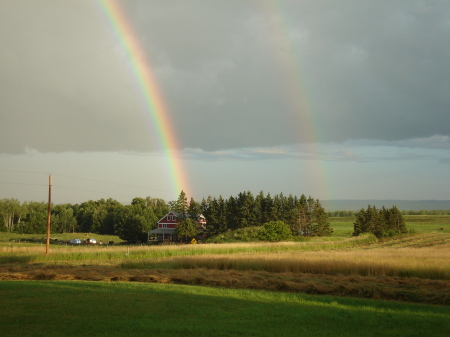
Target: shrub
x: 275, y: 231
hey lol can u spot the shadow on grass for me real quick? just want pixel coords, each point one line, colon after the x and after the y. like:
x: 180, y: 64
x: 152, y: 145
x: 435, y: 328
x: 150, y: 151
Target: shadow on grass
x: 16, y: 259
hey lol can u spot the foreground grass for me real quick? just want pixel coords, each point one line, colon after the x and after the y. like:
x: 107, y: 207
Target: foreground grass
x: 119, y: 309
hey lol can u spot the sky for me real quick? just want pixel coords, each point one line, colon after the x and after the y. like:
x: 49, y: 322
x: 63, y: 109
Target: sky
x: 332, y: 99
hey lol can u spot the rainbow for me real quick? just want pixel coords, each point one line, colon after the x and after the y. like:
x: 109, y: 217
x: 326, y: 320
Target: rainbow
x: 153, y: 98
x: 297, y: 96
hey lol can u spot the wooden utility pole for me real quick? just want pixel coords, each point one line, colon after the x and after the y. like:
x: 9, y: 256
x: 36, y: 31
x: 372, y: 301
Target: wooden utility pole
x: 49, y: 213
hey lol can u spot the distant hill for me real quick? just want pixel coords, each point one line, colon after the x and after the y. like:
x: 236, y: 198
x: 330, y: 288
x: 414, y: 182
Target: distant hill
x: 403, y: 205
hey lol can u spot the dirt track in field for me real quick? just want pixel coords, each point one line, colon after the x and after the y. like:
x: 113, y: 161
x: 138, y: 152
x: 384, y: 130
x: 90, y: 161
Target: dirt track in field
x: 389, y: 288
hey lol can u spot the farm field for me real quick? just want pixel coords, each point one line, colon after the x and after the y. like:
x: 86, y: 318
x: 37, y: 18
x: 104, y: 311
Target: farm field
x: 349, y: 280
x: 343, y: 226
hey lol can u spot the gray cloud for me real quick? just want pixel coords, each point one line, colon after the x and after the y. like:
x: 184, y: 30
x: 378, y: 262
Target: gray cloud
x: 230, y: 73
x: 435, y: 148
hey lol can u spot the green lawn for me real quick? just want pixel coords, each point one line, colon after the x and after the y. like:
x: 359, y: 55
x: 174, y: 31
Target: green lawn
x: 63, y: 308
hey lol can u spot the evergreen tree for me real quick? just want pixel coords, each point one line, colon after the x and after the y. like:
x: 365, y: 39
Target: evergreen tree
x: 298, y: 215
x: 379, y: 222
x: 187, y: 228
x: 210, y: 214
x: 321, y: 224
x: 245, y: 215
x: 221, y: 214
x: 360, y: 223
x: 232, y: 213
x: 289, y: 212
x: 272, y: 208
x: 194, y: 209
x: 395, y: 224
x: 260, y: 208
x: 181, y: 205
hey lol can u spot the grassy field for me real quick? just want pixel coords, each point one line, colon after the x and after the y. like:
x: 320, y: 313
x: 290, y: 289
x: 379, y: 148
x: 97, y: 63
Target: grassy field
x: 15, y: 238
x: 248, y: 289
x: 62, y: 308
x: 343, y: 226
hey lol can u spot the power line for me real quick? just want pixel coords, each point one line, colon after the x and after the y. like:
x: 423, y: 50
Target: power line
x: 69, y: 188
x: 110, y: 182
x: 85, y: 190
x: 22, y: 171
x: 86, y: 179
x: 27, y: 184
x: 56, y: 187
x: 149, y: 189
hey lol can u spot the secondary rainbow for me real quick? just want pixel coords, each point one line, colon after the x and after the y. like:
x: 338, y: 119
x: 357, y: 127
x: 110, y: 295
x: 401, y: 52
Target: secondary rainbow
x: 298, y: 98
x: 154, y: 101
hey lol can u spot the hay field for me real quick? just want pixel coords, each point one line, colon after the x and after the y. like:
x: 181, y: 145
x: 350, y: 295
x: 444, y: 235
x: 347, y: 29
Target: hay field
x: 411, y: 268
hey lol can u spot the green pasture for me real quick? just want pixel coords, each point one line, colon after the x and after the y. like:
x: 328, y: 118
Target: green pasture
x: 428, y: 223
x: 343, y: 226
x: 63, y: 308
x: 7, y: 238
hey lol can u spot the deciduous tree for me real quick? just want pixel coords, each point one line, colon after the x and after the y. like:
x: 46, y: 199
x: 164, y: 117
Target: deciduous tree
x: 275, y: 231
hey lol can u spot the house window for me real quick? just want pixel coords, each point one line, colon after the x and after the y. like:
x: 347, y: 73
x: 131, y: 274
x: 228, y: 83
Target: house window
x: 164, y: 225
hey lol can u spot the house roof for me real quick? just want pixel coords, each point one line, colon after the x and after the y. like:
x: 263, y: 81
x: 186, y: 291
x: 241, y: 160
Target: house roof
x: 178, y: 215
x: 171, y: 212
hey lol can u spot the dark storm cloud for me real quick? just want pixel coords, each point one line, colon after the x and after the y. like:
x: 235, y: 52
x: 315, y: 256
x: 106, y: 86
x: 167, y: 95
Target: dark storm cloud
x: 369, y: 70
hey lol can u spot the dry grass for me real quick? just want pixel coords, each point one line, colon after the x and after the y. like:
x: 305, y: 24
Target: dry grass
x: 428, y: 263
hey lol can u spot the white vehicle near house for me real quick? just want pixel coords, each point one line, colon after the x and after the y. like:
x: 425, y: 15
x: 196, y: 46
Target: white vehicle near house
x: 75, y: 242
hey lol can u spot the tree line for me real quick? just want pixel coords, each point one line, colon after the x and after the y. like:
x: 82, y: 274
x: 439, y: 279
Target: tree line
x: 402, y: 212
x: 129, y: 222
x: 380, y: 222
x: 304, y: 216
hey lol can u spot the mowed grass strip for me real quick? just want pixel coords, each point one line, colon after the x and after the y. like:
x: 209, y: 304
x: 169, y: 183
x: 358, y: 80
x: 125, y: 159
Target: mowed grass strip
x: 132, y: 309
x: 389, y: 288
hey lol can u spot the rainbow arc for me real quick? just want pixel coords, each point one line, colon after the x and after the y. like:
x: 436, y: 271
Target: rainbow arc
x: 152, y: 96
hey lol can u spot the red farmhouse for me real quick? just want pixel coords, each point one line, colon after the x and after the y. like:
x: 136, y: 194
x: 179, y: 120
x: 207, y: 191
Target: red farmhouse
x: 168, y: 223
